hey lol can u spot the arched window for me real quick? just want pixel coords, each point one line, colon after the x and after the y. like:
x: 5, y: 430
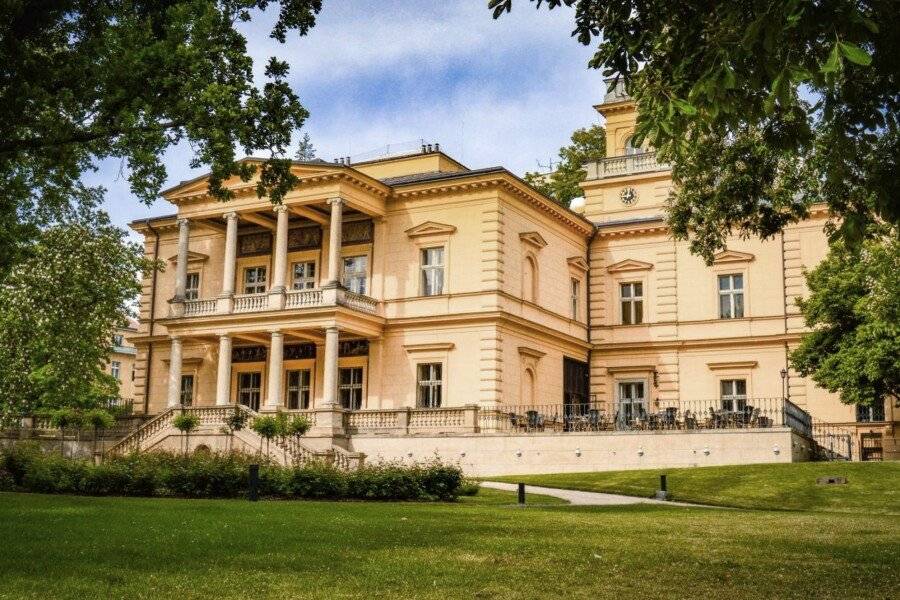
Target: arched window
x: 529, y: 279
x: 630, y: 148
x: 528, y: 387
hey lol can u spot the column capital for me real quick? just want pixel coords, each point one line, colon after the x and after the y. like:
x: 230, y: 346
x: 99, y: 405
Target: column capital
x: 230, y: 215
x: 175, y: 338
x: 224, y: 336
x: 279, y: 208
x: 183, y: 221
x: 277, y: 333
x: 336, y: 200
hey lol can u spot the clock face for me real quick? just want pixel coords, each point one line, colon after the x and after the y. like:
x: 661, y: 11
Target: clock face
x: 628, y: 196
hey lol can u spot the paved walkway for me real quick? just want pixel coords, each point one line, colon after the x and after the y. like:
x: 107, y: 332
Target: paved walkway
x: 577, y: 497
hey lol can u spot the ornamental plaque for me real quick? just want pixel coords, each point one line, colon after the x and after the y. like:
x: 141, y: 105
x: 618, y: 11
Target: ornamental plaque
x: 305, y: 238
x: 252, y: 244
x: 353, y: 348
x: 356, y: 232
x: 628, y: 196
x: 244, y: 354
x: 299, y: 351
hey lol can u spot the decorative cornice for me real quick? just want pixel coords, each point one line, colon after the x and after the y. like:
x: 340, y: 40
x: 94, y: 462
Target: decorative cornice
x: 631, y: 369
x: 629, y: 264
x: 430, y: 228
x: 732, y: 256
x: 531, y: 352
x: 533, y: 238
x: 737, y: 364
x: 579, y: 263
x: 193, y: 257
x: 434, y: 347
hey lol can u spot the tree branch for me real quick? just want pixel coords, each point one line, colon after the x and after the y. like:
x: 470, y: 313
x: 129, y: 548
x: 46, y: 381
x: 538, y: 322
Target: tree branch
x: 78, y: 137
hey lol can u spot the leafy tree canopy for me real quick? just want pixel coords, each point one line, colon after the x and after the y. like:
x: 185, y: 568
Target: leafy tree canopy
x: 763, y: 107
x: 588, y: 144
x: 853, y: 311
x: 87, y: 80
x: 59, y: 309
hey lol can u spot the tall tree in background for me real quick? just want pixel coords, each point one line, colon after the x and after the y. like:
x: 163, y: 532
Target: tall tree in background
x: 588, y: 144
x: 763, y: 107
x: 87, y: 80
x: 306, y: 151
x: 853, y: 311
x: 59, y: 309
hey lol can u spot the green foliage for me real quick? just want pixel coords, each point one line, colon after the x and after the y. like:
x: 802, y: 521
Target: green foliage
x: 97, y: 419
x: 853, y: 311
x: 588, y: 144
x: 469, y: 487
x: 266, y: 426
x: 89, y: 81
x: 236, y: 422
x: 65, y: 418
x: 58, y: 310
x: 186, y: 422
x: 797, y: 98
x: 306, y: 151
x: 26, y: 468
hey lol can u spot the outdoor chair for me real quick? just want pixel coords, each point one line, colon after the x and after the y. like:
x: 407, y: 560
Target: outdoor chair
x: 534, y: 420
x: 593, y: 420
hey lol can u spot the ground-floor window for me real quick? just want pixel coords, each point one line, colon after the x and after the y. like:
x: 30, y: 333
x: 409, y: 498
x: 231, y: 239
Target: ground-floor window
x: 249, y: 387
x: 734, y: 394
x: 870, y: 414
x: 187, y: 390
x: 632, y: 403
x: 298, y: 389
x: 430, y: 382
x: 351, y: 387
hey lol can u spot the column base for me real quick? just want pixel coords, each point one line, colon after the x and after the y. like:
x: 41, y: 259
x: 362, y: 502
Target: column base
x: 225, y: 304
x: 176, y: 307
x: 276, y: 299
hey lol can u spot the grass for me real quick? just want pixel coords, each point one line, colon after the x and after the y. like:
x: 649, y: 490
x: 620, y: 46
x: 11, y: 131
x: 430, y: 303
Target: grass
x: 84, y: 548
x: 872, y: 488
x: 489, y: 497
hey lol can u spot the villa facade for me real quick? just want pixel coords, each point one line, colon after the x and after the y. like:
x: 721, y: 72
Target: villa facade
x: 413, y: 283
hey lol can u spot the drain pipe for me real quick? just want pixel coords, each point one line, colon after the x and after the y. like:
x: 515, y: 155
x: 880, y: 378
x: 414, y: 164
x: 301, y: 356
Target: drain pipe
x: 787, y: 364
x: 587, y: 305
x: 152, y: 317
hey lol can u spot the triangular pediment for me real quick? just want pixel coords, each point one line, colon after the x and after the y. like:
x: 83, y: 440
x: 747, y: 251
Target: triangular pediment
x: 193, y: 257
x: 430, y: 228
x: 629, y: 264
x: 533, y: 238
x: 732, y: 256
x: 578, y: 262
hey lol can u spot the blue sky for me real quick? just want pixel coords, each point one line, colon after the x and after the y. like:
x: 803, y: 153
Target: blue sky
x: 506, y: 92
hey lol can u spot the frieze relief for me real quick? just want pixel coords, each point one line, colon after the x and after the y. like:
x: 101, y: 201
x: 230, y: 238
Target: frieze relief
x: 252, y: 244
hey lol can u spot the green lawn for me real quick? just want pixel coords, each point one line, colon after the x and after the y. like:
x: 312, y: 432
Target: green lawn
x: 85, y: 548
x: 872, y: 488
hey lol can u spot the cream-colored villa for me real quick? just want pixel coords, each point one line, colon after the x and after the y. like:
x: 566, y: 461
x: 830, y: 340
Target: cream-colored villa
x: 412, y: 306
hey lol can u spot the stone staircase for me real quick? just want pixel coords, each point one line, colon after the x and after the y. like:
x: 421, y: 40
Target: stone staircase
x: 212, y: 432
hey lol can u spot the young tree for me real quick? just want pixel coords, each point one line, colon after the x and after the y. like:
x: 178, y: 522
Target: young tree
x: 853, y: 310
x: 306, y: 151
x: 588, y: 144
x: 186, y: 423
x: 762, y: 107
x: 83, y: 81
x: 59, y: 309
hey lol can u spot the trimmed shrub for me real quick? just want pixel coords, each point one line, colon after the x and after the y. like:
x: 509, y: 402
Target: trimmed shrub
x: 468, y: 488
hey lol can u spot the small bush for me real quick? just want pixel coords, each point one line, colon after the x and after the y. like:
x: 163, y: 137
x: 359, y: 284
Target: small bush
x: 186, y: 423
x: 468, y: 488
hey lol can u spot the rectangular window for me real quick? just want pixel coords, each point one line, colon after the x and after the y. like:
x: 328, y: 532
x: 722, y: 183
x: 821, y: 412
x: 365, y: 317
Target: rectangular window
x: 731, y: 296
x: 254, y: 280
x: 298, y: 389
x: 632, y: 301
x: 115, y: 369
x: 303, y: 275
x: 350, y: 387
x: 576, y: 294
x: 355, y: 273
x: 192, y: 286
x: 249, y: 389
x: 632, y: 405
x: 432, y: 271
x: 187, y: 390
x: 734, y: 394
x: 430, y: 382
x: 118, y: 340
x: 870, y: 414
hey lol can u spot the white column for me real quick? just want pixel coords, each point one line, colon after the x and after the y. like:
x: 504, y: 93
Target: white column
x: 281, y: 235
x: 230, y: 253
x: 276, y: 367
x: 174, y: 396
x: 223, y: 375
x: 330, y: 391
x: 181, y: 266
x: 334, y: 241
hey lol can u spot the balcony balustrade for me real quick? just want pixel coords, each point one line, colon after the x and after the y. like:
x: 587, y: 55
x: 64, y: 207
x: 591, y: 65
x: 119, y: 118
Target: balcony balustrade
x: 293, y: 299
x: 630, y: 164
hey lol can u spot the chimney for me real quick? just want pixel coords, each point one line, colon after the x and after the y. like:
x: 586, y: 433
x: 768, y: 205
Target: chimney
x: 348, y: 160
x: 437, y: 147
x: 429, y: 148
x: 423, y: 149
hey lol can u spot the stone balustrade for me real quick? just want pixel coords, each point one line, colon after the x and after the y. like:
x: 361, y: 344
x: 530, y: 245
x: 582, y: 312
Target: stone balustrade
x: 403, y: 421
x: 630, y: 164
x: 251, y: 303
x: 197, y: 308
x: 303, y: 298
x: 292, y: 300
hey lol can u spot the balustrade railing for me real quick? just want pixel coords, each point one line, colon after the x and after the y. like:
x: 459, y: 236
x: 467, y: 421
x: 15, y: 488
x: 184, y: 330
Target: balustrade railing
x: 358, y: 301
x: 195, y: 308
x: 293, y: 299
x: 629, y: 164
x: 302, y: 298
x: 251, y: 302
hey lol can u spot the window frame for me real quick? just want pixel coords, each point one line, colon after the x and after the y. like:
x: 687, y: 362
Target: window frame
x: 425, y: 269
x: 642, y: 403
x: 115, y: 369
x: 733, y: 401
x: 306, y: 279
x: 633, y: 302
x: 245, y: 285
x: 303, y: 403
x: 871, y: 412
x: 731, y: 293
x: 192, y: 292
x: 189, y: 392
x: 357, y: 275
x: 575, y: 297
x: 351, y: 388
x: 239, y: 390
x: 426, y: 388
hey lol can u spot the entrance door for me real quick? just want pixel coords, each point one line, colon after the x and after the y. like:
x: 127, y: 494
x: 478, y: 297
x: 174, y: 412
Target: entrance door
x: 575, y: 389
x: 631, y: 404
x: 249, y: 387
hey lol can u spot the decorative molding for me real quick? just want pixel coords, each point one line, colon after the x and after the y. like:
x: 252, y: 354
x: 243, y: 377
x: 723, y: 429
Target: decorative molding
x: 732, y: 256
x: 304, y: 238
x: 193, y: 257
x: 254, y: 244
x: 533, y: 238
x: 737, y: 364
x: 578, y: 262
x: 187, y: 362
x: 353, y: 348
x: 430, y: 228
x: 357, y: 232
x: 631, y: 369
x: 629, y: 264
x: 434, y: 347
x: 531, y: 352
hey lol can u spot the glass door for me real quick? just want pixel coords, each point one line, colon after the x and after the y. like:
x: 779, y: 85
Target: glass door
x: 249, y: 388
x: 631, y: 405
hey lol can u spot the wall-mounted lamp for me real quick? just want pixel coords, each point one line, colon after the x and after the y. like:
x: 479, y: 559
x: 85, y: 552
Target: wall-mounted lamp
x: 706, y: 451
x: 641, y: 451
x: 784, y: 375
x: 577, y: 451
x: 519, y: 453
x: 655, y: 378
x: 776, y: 449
